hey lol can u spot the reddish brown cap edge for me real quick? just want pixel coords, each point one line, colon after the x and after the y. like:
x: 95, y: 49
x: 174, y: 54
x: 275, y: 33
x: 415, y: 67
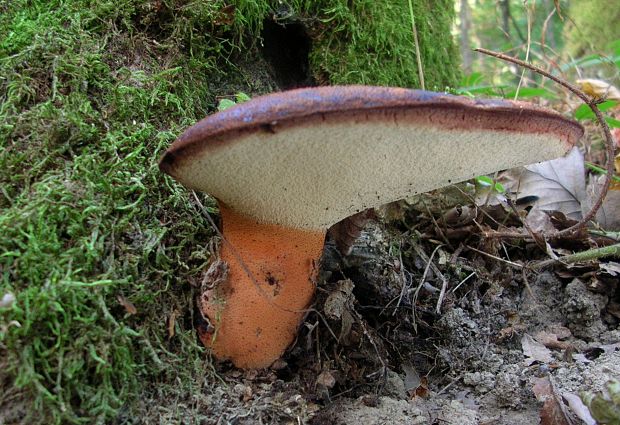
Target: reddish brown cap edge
x: 284, y: 109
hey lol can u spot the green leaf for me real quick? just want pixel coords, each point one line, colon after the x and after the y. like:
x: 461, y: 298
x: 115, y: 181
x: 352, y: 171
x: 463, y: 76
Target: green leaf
x: 473, y: 79
x: 242, y: 97
x: 527, y: 92
x: 482, y: 89
x: 499, y: 188
x: 584, y: 111
x: 484, y: 181
x: 592, y: 60
x: 612, y: 122
x: 225, y: 104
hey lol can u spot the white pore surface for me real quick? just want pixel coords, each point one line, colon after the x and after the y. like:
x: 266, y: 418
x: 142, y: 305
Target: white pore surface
x: 312, y: 177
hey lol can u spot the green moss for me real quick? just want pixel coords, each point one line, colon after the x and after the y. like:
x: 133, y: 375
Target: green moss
x: 91, y: 93
x: 371, y: 42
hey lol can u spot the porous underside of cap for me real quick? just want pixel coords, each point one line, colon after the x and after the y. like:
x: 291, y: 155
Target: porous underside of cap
x: 309, y: 158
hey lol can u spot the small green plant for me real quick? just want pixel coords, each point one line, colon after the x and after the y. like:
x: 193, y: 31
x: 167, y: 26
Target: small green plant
x: 486, y: 183
x: 226, y: 103
x: 583, y: 113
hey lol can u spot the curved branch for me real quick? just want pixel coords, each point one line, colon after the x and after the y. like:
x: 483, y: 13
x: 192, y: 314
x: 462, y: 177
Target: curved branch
x: 609, y: 141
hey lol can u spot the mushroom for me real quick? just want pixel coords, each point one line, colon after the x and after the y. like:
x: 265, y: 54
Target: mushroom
x: 287, y: 166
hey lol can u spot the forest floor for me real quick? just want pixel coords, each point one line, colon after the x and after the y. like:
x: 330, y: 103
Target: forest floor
x: 498, y: 345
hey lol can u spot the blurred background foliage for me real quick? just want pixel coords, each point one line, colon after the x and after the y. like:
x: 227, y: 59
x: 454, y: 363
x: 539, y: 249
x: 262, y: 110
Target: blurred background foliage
x: 572, y: 39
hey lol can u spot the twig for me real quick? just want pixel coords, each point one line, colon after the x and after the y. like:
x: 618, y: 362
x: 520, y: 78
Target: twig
x: 528, y: 46
x: 589, y: 255
x: 402, y: 277
x: 517, y: 265
x: 417, y: 46
x: 524, y: 222
x: 442, y: 294
x: 429, y: 264
x: 462, y: 282
x: 614, y: 236
x: 609, y: 141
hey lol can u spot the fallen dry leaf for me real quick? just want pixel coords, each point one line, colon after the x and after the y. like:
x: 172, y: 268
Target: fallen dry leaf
x: 553, y: 411
x: 337, y: 306
x: 578, y: 408
x: 345, y: 232
x: 279, y: 364
x: 550, y: 340
x: 129, y: 307
x: 608, y: 216
x: 556, y: 185
x: 562, y: 332
x: 326, y: 379
x: 534, y: 351
x: 412, y: 378
x: 599, y: 89
x: 171, y: 322
x: 612, y: 268
x: 539, y: 221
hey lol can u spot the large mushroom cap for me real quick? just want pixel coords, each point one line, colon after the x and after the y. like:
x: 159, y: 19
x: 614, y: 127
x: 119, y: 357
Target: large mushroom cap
x: 308, y: 158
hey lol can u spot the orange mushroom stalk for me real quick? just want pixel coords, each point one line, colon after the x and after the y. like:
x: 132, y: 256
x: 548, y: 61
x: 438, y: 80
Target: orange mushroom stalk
x: 270, y: 281
x: 287, y: 166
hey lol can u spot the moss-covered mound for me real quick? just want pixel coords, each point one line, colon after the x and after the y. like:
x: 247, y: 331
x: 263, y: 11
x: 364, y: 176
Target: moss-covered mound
x: 102, y: 253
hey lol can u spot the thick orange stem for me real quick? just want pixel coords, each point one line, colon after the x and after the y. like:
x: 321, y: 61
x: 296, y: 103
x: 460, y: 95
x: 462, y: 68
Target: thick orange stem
x: 256, y: 315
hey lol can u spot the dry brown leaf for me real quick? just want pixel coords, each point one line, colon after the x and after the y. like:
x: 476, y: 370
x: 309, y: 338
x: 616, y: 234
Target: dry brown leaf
x: 326, y: 379
x: 612, y: 268
x: 578, y: 408
x: 337, y: 307
x: 459, y: 216
x: 412, y: 378
x: 226, y: 15
x: 539, y: 221
x: 345, y: 232
x: 534, y: 351
x: 171, y: 322
x: 608, y: 216
x: 550, y: 340
x: 129, y: 307
x: 562, y: 332
x: 279, y: 364
x: 422, y: 390
x: 556, y: 185
x: 553, y: 411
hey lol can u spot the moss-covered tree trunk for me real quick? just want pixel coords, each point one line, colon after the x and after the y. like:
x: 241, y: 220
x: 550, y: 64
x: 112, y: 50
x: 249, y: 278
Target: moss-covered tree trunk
x: 361, y: 42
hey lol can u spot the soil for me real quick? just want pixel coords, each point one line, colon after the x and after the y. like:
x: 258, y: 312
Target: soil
x: 377, y: 350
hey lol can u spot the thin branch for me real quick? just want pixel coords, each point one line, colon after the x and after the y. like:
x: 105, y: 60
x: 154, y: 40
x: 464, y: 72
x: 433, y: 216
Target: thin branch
x: 528, y: 46
x: 486, y: 254
x: 589, y: 255
x: 417, y: 46
x: 609, y: 141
